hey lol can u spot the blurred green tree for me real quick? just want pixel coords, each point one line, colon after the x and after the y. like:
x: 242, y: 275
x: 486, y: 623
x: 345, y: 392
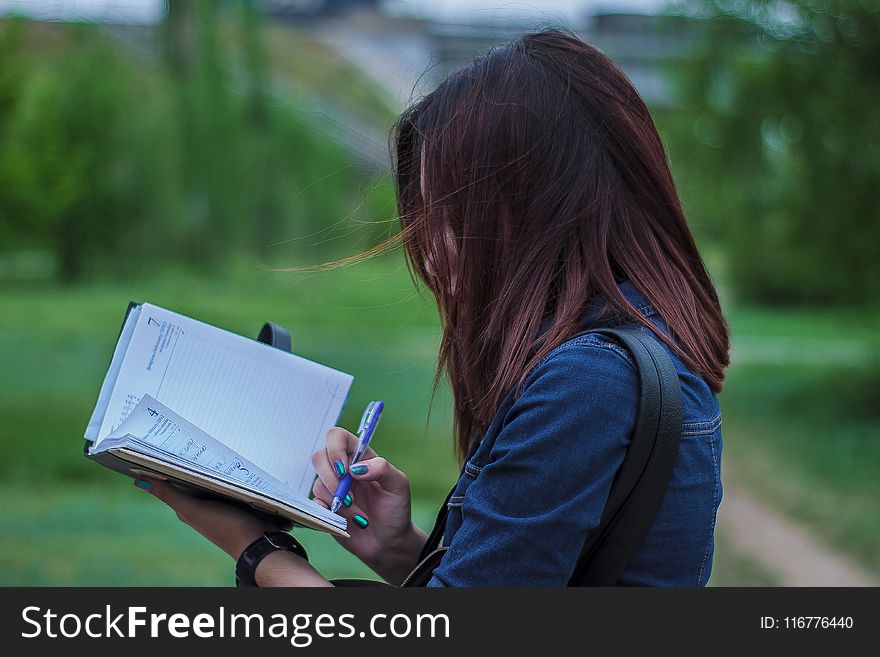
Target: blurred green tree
x: 65, y: 173
x: 265, y: 149
x: 208, y: 130
x: 11, y: 84
x: 111, y: 162
x: 777, y: 146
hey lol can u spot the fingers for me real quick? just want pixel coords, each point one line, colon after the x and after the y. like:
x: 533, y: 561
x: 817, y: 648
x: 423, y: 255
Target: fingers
x: 184, y: 505
x: 354, y: 514
x: 360, y: 520
x: 380, y: 470
x: 331, y: 463
x: 324, y: 496
x: 348, y: 510
x: 341, y: 444
x: 326, y: 472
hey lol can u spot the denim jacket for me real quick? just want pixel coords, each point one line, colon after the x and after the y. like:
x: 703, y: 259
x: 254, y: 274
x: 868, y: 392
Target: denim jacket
x: 539, y: 478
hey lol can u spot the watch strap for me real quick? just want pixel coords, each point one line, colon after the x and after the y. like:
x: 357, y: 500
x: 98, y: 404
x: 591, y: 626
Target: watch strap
x: 253, y: 554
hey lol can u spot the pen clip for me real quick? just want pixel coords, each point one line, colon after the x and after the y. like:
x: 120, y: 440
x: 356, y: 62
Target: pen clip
x: 367, y: 416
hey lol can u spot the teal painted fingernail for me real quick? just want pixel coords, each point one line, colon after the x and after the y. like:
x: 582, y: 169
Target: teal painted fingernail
x: 360, y: 521
x: 143, y: 484
x: 359, y: 469
x: 340, y: 468
x: 347, y: 500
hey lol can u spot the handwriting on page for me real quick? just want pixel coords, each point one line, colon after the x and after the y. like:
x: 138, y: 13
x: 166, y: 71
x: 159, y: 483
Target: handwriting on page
x: 130, y: 403
x: 167, y: 337
x: 166, y: 341
x: 171, y: 437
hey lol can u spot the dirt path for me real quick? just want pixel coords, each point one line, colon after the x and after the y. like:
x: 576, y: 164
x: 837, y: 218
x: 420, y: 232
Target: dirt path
x: 783, y: 547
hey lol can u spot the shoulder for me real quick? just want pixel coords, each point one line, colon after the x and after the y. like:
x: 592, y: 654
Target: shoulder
x: 585, y: 391
x: 586, y: 362
x: 586, y: 350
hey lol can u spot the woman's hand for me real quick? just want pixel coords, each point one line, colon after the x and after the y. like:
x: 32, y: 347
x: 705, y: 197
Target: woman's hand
x: 378, y: 508
x: 232, y: 529
x: 228, y: 527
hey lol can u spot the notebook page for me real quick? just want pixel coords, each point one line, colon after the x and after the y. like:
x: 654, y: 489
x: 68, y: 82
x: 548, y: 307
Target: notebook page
x: 154, y: 425
x: 156, y: 430
x: 271, y: 407
x: 94, y: 427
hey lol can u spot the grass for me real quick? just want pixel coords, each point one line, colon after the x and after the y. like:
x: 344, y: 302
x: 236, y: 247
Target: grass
x: 806, y: 433
x: 107, y: 533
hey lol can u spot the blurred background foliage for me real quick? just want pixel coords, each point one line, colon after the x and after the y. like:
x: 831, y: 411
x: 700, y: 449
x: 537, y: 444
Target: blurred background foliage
x: 777, y: 148
x: 182, y: 162
x: 191, y: 158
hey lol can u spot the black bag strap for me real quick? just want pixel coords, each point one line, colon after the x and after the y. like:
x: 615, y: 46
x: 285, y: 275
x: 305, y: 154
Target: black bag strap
x: 641, y: 482
x: 436, y: 534
x: 275, y: 335
x: 640, y: 485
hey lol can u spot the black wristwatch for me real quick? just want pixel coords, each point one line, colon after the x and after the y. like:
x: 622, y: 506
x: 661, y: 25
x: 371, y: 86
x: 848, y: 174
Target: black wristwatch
x: 253, y: 554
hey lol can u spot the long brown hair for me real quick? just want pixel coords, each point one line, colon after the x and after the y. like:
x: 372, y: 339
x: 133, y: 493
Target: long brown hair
x: 529, y: 183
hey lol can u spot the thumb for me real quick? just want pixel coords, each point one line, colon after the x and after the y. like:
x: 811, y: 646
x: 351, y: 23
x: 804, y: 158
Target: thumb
x: 379, y: 469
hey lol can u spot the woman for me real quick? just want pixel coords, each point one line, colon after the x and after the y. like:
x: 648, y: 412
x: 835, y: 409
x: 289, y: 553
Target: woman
x: 535, y: 200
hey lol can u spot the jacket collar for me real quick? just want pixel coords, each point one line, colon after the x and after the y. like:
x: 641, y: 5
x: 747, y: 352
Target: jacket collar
x: 599, y: 312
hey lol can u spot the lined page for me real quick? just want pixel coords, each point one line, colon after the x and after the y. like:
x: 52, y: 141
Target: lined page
x: 155, y: 430
x: 270, y: 406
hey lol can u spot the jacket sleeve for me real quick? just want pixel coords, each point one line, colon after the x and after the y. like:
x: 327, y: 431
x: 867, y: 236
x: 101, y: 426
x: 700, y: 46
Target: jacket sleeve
x: 548, y: 474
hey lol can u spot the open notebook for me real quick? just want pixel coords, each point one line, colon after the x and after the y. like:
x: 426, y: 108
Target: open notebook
x: 216, y: 411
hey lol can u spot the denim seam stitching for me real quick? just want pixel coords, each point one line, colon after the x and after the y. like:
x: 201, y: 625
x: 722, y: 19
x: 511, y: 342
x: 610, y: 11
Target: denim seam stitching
x: 714, y: 516
x: 710, y: 429
x: 701, y: 432
x: 610, y: 345
x: 586, y: 341
x: 695, y: 424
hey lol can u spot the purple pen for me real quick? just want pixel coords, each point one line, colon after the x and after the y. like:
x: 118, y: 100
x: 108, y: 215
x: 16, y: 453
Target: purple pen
x: 367, y: 427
